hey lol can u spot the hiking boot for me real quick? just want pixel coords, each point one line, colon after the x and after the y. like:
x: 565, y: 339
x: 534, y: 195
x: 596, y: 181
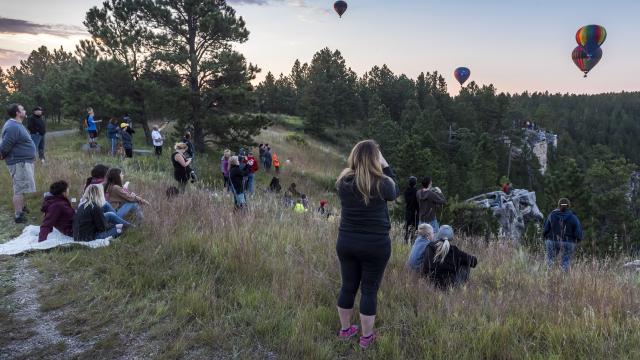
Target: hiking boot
x: 350, y: 333
x: 25, y: 210
x: 366, y: 341
x: 21, y: 219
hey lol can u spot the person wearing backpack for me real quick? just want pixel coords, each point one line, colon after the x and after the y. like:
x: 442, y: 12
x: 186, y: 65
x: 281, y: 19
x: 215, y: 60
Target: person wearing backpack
x: 562, y: 231
x: 430, y: 199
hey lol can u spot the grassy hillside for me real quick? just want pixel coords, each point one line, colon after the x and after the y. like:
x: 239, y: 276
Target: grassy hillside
x: 200, y: 281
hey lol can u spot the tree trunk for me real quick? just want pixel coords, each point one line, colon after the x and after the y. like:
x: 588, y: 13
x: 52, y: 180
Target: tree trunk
x: 194, y: 88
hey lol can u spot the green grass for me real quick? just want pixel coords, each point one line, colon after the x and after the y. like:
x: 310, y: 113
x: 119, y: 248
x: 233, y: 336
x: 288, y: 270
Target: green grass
x: 198, y: 278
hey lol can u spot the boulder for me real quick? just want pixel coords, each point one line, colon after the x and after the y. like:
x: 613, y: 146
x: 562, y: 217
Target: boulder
x: 513, y: 211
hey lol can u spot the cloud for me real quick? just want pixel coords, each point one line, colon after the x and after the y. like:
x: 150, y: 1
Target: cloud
x: 11, y: 57
x: 303, y: 4
x: 17, y: 26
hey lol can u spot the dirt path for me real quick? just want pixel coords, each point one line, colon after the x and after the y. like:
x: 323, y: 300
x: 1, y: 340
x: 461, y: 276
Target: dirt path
x: 55, y: 134
x: 46, y: 341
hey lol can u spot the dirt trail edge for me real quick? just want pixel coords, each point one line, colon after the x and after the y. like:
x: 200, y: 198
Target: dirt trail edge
x: 46, y: 339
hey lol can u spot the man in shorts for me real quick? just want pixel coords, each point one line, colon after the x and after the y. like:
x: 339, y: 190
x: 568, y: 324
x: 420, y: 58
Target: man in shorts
x: 19, y: 152
x: 91, y: 127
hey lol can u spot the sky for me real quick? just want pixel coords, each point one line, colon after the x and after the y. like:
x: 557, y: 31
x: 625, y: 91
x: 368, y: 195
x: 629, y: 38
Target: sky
x: 515, y: 45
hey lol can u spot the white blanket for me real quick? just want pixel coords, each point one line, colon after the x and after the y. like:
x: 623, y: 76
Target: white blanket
x: 28, y: 241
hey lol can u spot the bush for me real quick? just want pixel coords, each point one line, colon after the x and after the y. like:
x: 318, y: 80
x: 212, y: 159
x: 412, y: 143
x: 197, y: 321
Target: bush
x: 470, y: 219
x: 297, y: 139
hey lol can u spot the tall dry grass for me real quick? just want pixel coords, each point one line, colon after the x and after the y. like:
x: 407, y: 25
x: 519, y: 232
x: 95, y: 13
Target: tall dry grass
x: 198, y: 275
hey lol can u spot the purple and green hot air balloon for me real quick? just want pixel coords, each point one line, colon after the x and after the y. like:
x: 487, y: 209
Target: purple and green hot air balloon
x: 591, y: 37
x: 585, y: 60
x: 462, y: 75
x: 340, y: 7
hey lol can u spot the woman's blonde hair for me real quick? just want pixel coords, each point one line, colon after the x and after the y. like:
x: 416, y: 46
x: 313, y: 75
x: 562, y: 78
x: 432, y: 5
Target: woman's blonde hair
x: 93, y: 194
x: 234, y: 160
x: 364, y: 165
x: 227, y: 153
x: 180, y: 146
x: 425, y: 230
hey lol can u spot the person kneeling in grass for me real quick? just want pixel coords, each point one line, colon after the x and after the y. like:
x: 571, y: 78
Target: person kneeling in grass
x: 444, y: 264
x: 57, y: 210
x: 416, y: 257
x: 121, y: 199
x: 89, y: 222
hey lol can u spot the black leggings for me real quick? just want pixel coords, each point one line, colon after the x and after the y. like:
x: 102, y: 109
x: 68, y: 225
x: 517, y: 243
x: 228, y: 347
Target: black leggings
x: 363, y: 258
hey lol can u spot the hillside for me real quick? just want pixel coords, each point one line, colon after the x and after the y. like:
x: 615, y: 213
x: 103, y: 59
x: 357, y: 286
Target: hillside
x: 197, y: 280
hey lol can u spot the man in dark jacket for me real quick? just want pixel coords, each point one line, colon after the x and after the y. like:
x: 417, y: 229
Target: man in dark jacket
x: 411, y: 211
x: 37, y: 129
x: 562, y: 230
x: 430, y: 200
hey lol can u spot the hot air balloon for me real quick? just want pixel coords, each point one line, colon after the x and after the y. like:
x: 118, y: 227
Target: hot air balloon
x: 340, y: 7
x: 462, y: 74
x: 586, y: 60
x: 591, y: 37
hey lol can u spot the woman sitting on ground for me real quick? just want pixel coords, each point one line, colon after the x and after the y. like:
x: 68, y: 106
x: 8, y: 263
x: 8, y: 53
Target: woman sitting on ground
x: 98, y: 174
x: 416, y: 257
x: 444, y: 264
x: 121, y: 199
x: 89, y: 222
x: 181, y: 165
x: 57, y: 210
x: 275, y: 186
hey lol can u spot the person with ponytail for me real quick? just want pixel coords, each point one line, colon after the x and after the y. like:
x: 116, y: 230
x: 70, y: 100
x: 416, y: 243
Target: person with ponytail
x: 363, y: 245
x: 444, y: 264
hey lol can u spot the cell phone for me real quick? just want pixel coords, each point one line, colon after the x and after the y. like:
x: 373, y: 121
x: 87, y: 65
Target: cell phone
x: 73, y: 200
x: 126, y: 185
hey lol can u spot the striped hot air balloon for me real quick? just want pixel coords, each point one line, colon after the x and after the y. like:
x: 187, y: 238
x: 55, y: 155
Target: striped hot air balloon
x: 591, y: 37
x: 586, y: 60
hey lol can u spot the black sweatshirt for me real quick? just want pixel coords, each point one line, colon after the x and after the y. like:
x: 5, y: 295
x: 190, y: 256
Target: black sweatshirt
x: 88, y: 222
x: 36, y: 125
x: 367, y: 219
x: 444, y: 273
x: 236, y: 176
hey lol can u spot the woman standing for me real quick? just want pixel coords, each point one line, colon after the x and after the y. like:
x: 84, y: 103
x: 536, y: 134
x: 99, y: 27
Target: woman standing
x: 224, y: 168
x: 180, y: 165
x: 363, y: 246
x: 236, y: 178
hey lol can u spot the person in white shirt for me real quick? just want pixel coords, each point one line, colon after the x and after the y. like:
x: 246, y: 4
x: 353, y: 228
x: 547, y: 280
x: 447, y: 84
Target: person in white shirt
x: 158, y: 140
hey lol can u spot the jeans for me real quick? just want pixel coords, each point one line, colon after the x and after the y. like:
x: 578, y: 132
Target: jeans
x: 114, y: 219
x: 114, y: 146
x: 113, y: 232
x: 249, y: 184
x: 38, y: 140
x: 126, y: 208
x: 554, y: 247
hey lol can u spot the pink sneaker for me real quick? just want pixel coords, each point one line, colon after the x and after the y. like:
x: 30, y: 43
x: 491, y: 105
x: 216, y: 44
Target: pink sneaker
x: 366, y: 341
x: 349, y: 333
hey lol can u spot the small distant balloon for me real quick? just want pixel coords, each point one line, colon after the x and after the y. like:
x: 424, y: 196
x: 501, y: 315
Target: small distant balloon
x: 591, y: 37
x: 340, y: 7
x: 585, y: 60
x: 462, y: 74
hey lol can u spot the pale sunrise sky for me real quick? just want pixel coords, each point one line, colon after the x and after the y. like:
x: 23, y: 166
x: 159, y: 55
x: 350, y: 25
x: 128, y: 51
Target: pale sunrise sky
x: 516, y: 45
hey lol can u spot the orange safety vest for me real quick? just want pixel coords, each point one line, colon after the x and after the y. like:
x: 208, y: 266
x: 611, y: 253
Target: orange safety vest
x: 276, y: 162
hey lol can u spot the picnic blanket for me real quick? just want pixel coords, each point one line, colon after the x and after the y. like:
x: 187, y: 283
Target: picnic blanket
x: 28, y: 242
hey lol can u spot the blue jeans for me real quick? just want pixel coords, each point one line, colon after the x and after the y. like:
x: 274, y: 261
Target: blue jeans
x: 553, y: 248
x: 38, y: 140
x: 126, y: 208
x: 249, y: 185
x: 112, y: 216
x: 113, y: 232
x: 114, y: 145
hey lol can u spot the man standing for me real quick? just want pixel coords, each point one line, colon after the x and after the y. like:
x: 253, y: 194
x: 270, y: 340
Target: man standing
x: 562, y: 230
x: 411, y: 211
x: 19, y: 152
x: 429, y: 200
x: 158, y: 140
x: 37, y: 129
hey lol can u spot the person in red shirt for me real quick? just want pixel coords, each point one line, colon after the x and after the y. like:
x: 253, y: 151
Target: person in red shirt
x: 57, y: 210
x: 251, y: 163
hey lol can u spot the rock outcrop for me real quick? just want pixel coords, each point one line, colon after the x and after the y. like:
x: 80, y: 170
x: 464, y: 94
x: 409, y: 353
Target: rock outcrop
x: 513, y: 211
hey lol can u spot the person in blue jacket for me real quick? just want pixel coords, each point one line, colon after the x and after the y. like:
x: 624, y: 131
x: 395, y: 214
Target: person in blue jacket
x: 562, y: 231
